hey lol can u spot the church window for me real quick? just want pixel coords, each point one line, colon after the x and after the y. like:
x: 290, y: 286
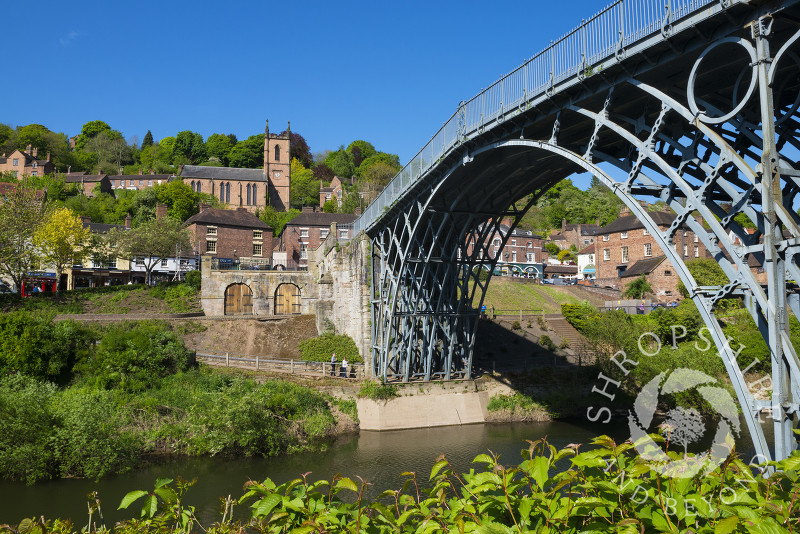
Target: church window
x: 248, y: 194
x: 228, y: 192
x: 277, y: 153
x: 198, y: 187
x: 222, y: 192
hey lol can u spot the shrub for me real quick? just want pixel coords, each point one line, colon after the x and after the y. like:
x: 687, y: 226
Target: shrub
x: 36, y: 346
x: 320, y: 349
x: 577, y: 314
x: 547, y: 343
x: 194, y: 279
x: 542, y: 323
x: 179, y: 298
x: 516, y: 326
x: 377, y: 391
x: 134, y: 356
x: 480, y: 273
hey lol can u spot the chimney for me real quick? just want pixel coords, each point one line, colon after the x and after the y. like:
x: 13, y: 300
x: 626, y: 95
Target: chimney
x: 357, y: 211
x: 204, y: 206
x: 141, y: 171
x: 161, y: 211
x: 241, y: 209
x: 99, y: 172
x: 597, y: 222
x: 121, y: 171
x: 69, y: 169
x: 128, y: 221
x: 308, y: 209
x: 506, y: 221
x: 35, y: 153
x: 48, y: 156
x: 28, y: 149
x: 85, y: 219
x: 152, y: 171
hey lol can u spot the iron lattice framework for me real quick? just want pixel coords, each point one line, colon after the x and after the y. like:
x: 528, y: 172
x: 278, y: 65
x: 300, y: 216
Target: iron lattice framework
x: 699, y: 110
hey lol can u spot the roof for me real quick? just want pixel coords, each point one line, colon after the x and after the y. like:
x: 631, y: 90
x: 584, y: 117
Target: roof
x: 76, y: 178
x: 141, y: 176
x: 630, y: 222
x: 320, y: 218
x: 588, y: 250
x: 241, y: 218
x: 558, y: 237
x: 223, y: 173
x: 100, y: 228
x: 641, y: 267
x: 561, y: 269
x: 586, y: 229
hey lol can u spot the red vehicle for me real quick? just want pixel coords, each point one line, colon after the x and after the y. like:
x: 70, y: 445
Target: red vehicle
x: 38, y: 283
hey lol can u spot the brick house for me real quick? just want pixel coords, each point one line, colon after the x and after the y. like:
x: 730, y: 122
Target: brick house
x: 307, y: 231
x: 230, y: 235
x: 88, y: 182
x: 250, y: 189
x: 624, y: 243
x: 137, y: 182
x: 99, y: 270
x: 522, y: 254
x: 577, y: 235
x: 27, y: 163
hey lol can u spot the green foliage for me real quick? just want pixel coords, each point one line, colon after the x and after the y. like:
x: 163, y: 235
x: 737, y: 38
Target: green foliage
x: 686, y: 314
x: 480, y: 273
x: 32, y: 344
x: 565, y: 255
x: 552, y: 248
x: 320, y: 349
x: 331, y: 206
x: 516, y: 326
x: 637, y: 288
x: 194, y: 279
x: 547, y: 343
x: 377, y: 391
x: 707, y: 272
x: 249, y: 153
x: 577, y: 314
x: 133, y: 357
x: 277, y: 220
x: 341, y: 163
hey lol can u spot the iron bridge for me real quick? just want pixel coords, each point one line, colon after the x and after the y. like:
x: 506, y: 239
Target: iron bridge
x: 689, y: 102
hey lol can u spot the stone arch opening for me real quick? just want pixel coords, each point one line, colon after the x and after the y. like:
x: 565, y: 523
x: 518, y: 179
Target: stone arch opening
x: 238, y: 300
x: 287, y: 299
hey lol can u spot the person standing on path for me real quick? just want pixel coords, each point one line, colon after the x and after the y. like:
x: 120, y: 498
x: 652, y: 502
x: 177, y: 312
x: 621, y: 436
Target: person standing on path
x: 333, y: 364
x: 344, y: 367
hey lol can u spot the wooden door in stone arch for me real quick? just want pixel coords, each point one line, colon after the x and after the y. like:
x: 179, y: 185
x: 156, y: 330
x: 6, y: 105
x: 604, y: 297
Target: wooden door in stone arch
x: 287, y: 299
x: 238, y: 300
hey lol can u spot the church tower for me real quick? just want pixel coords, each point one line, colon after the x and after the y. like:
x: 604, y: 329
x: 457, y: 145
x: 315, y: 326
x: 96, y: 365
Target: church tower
x: 277, y: 168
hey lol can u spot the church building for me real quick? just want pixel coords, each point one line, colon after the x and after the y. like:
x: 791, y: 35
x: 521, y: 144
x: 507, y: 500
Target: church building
x: 250, y: 189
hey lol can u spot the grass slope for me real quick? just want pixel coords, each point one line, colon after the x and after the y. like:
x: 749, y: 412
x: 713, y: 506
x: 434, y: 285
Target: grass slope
x: 508, y: 296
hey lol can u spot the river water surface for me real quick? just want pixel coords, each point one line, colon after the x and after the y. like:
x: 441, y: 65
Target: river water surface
x: 378, y: 457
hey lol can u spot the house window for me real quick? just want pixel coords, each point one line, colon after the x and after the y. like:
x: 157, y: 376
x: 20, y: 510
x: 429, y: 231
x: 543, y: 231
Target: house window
x: 35, y: 164
x: 130, y: 183
x: 256, y: 249
x: 496, y: 242
x: 140, y: 261
x: 211, y: 230
x: 667, y: 273
x: 141, y: 183
x: 16, y: 162
x: 624, y: 254
x: 303, y: 232
x: 530, y: 244
x: 16, y: 174
x: 303, y: 251
x: 668, y: 292
x: 34, y: 173
x: 696, y: 238
x: 623, y: 235
x: 648, y: 250
x: 514, y: 256
x: 164, y: 264
x: 258, y: 234
x: 323, y: 233
x: 514, y: 242
x: 685, y: 250
x: 343, y: 234
x: 211, y: 246
x: 645, y: 232
x: 585, y: 241
x: 606, y: 254
x: 327, y: 196
x: 696, y: 252
x: 606, y: 237
x: 112, y: 263
x: 150, y: 184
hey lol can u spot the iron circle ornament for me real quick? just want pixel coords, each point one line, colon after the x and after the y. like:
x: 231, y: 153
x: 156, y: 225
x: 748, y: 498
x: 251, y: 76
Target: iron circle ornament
x: 785, y: 51
x: 693, y: 79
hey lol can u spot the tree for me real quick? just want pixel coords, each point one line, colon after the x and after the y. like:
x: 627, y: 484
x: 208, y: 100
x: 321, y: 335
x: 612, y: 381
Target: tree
x: 152, y: 241
x: 219, y: 146
x: 298, y: 149
x: 21, y: 214
x: 360, y: 151
x: 90, y: 130
x: 341, y: 163
x: 188, y: 148
x: 331, y: 206
x: 393, y: 160
x: 179, y: 198
x: 60, y: 240
x: 277, y: 219
x: 248, y: 154
x: 376, y: 177
x: 551, y: 248
x: 323, y: 173
x: 148, y: 140
x: 305, y: 188
x: 638, y: 288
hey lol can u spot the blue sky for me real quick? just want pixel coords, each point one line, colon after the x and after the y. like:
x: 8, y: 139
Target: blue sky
x: 389, y: 73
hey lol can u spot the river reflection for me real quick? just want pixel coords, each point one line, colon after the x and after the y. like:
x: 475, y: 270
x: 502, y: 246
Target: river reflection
x: 378, y: 457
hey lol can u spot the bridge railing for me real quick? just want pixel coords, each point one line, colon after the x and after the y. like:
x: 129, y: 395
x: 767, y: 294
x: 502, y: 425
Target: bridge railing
x: 577, y: 53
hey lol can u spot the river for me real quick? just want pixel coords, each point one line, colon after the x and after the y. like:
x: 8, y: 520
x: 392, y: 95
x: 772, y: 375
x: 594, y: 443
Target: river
x: 378, y: 457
